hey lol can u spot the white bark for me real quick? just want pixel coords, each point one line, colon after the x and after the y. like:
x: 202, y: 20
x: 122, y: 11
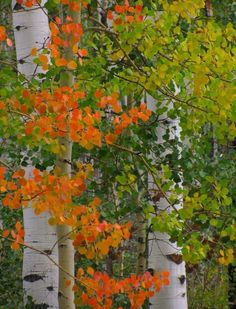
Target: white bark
x: 164, y: 255
x: 40, y: 276
x: 31, y: 30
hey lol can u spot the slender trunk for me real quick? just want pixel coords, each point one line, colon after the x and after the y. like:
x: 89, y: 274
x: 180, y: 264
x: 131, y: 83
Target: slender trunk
x: 65, y: 246
x: 109, y: 264
x: 40, y: 276
x: 232, y: 286
x: 208, y: 8
x: 141, y: 246
x: 141, y: 236
x: 163, y: 254
x: 121, y: 264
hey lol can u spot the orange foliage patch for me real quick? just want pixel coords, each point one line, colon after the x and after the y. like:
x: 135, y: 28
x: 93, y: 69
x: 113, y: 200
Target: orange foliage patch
x: 100, y: 288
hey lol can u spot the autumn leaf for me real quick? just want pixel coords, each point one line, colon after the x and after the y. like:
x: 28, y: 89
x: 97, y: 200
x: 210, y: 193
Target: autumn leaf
x: 2, y: 33
x: 15, y: 246
x: 90, y: 271
x: 72, y: 65
x: 5, y: 233
x: 110, y: 138
x: 60, y: 62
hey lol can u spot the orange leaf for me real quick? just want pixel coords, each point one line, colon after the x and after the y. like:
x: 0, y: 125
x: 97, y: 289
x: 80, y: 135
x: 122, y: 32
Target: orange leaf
x: 5, y: 233
x: 96, y: 201
x: 25, y: 93
x: 2, y: 171
x: 21, y: 233
x: 119, y: 8
x: 129, y: 18
x: 13, y: 234
x: 165, y: 273
x: 109, y: 15
x: 72, y: 65
x: 18, y: 226
x: 75, y: 49
x: 110, y: 138
x: 54, y: 29
x: 60, y: 62
x: 45, y: 67
x: 19, y: 174
x: 74, y: 6
x: 165, y: 281
x: 3, y: 189
x: 75, y: 288
x: 82, y: 52
x: 68, y: 282
x: 138, y: 8
x: 2, y: 33
x: 58, y: 20
x: 90, y: 271
x: 28, y: 3
x: 43, y: 58
x: 15, y: 246
x: 103, y: 247
x: 98, y: 94
x: 118, y: 21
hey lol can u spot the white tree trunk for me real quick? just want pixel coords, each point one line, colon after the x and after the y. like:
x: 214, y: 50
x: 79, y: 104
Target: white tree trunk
x: 40, y: 276
x: 164, y: 255
x: 31, y: 30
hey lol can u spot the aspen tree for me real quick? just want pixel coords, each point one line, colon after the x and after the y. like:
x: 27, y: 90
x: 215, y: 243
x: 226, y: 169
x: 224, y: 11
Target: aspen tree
x: 40, y: 276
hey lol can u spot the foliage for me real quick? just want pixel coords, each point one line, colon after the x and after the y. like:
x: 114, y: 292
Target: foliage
x: 208, y: 287
x: 151, y: 49
x: 11, y: 292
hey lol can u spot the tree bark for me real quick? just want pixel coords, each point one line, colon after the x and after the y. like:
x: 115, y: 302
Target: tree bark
x: 232, y: 286
x: 40, y: 276
x: 141, y: 246
x: 65, y: 246
x: 164, y: 255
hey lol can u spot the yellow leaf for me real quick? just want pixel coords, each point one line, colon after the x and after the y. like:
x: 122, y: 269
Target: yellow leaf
x: 222, y: 252
x: 52, y: 221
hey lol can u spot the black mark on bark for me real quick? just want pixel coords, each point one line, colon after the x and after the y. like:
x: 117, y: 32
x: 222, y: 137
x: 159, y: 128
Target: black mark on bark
x: 32, y: 278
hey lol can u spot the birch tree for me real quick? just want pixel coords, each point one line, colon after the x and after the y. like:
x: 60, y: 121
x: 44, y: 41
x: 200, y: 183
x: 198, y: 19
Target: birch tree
x: 164, y: 254
x: 45, y: 190
x: 40, y: 276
